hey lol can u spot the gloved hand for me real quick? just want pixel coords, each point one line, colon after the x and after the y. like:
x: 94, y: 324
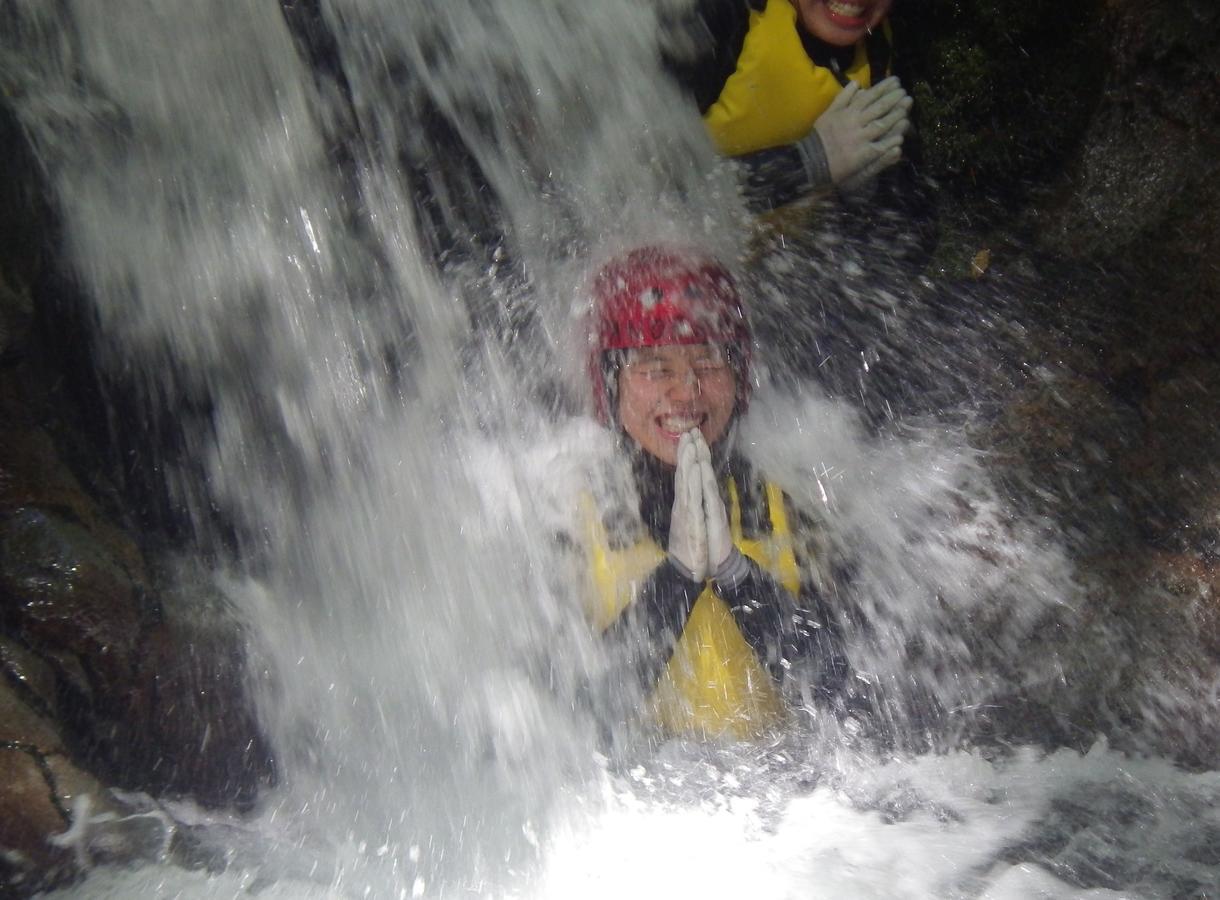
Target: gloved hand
x: 854, y: 183
x: 861, y: 130
x: 687, y: 523
x: 725, y: 562
x: 719, y: 539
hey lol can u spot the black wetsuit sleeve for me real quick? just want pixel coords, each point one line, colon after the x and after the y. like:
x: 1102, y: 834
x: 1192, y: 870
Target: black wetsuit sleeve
x: 776, y: 177
x: 789, y: 635
x: 642, y: 639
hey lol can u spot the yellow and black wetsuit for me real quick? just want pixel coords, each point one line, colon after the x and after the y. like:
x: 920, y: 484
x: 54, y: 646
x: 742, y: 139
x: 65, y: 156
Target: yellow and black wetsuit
x: 761, y: 81
x: 712, y: 657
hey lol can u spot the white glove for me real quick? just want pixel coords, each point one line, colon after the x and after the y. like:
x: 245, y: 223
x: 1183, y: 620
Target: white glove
x: 862, y: 129
x: 725, y: 562
x: 687, y: 524
x: 853, y: 183
x: 719, y: 539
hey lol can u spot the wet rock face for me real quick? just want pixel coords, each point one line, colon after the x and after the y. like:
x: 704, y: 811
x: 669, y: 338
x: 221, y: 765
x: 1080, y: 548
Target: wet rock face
x: 30, y: 814
x: 112, y: 675
x: 1118, y: 446
x: 65, y: 591
x: 110, y: 678
x: 1111, y: 432
x: 16, y: 314
x: 1003, y: 88
x: 103, y: 688
x: 202, y: 738
x: 1150, y: 147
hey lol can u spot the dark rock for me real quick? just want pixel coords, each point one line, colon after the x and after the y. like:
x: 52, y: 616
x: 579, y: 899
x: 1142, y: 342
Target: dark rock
x: 22, y: 726
x: 1003, y: 88
x: 29, y: 815
x: 16, y: 315
x: 70, y: 783
x: 32, y: 474
x: 1056, y: 446
x: 62, y: 590
x: 1182, y: 411
x: 1125, y: 183
x: 1194, y: 583
x: 24, y: 214
x: 203, y: 730
x: 148, y: 694
x: 33, y: 678
x: 162, y: 707
x: 1150, y: 148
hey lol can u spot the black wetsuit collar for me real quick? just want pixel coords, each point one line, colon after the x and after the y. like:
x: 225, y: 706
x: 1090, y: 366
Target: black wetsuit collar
x: 837, y: 59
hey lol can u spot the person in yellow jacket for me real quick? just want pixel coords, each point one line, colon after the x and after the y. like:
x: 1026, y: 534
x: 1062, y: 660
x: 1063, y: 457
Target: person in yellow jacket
x: 703, y: 599
x: 795, y: 90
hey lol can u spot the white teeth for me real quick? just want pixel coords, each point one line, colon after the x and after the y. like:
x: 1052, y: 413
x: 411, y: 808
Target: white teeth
x: 846, y: 9
x: 677, y: 426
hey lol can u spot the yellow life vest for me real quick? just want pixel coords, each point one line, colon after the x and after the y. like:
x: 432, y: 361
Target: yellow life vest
x: 714, y: 685
x: 776, y: 92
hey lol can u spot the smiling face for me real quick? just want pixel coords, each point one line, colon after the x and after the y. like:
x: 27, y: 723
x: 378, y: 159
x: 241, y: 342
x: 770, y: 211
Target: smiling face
x: 666, y: 391
x: 841, y: 22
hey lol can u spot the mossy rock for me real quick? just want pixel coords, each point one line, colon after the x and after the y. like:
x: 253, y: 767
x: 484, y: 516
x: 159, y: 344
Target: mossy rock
x: 1003, y: 88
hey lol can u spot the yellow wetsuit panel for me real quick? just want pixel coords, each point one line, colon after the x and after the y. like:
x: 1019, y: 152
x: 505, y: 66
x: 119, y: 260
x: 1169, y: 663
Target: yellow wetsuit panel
x: 776, y: 92
x: 714, y: 684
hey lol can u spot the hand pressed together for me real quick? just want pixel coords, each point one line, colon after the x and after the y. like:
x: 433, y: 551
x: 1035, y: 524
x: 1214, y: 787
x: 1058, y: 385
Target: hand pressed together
x: 700, y: 542
x: 687, y: 523
x: 861, y: 132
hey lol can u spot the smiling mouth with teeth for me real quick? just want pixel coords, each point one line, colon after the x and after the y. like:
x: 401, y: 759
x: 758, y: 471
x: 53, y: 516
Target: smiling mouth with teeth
x: 841, y: 22
x: 848, y: 14
x: 677, y: 426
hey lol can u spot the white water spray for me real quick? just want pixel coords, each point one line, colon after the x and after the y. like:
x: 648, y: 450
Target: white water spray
x: 376, y: 422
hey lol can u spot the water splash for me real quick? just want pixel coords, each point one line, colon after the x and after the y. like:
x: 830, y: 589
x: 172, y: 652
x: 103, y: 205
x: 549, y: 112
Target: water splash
x: 367, y: 388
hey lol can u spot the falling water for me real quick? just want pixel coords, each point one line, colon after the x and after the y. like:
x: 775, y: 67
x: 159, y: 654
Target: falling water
x: 283, y: 216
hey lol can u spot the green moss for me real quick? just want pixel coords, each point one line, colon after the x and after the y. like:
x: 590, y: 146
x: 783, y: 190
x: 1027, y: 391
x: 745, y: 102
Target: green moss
x: 1003, y: 88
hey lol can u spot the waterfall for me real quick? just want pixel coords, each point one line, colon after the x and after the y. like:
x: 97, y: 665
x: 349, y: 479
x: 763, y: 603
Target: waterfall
x: 343, y: 371
x: 343, y: 246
